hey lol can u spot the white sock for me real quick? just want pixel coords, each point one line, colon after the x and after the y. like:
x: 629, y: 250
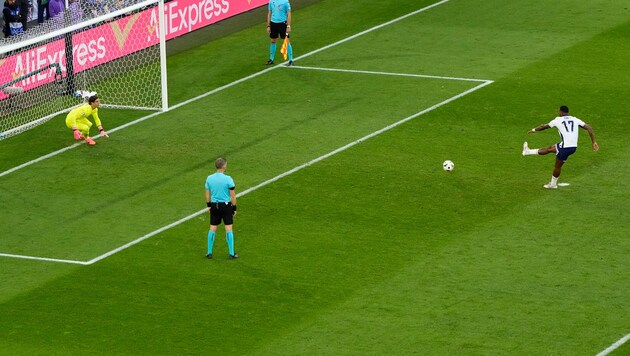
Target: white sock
x: 554, y: 181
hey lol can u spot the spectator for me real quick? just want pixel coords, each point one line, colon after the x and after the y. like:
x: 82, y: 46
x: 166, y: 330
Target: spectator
x: 42, y: 5
x: 12, y: 19
x: 55, y: 7
x: 24, y: 10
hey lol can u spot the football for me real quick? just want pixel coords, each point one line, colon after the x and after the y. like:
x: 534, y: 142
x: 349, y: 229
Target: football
x: 448, y: 165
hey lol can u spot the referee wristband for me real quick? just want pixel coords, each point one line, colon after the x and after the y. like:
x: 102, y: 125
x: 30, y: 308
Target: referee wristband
x: 208, y: 204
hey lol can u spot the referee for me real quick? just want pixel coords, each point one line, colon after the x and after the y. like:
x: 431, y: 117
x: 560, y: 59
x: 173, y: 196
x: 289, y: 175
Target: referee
x: 221, y: 201
x: 279, y: 24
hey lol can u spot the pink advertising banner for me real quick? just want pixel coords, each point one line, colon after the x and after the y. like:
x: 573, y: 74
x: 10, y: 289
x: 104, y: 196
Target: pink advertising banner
x: 118, y: 38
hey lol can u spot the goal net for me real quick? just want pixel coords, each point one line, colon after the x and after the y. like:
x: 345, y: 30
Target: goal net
x: 114, y: 51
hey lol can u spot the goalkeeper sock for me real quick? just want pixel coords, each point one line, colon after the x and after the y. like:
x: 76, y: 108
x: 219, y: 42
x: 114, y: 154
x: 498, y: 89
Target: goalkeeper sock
x: 290, y: 51
x: 272, y: 51
x: 229, y: 237
x: 210, y: 240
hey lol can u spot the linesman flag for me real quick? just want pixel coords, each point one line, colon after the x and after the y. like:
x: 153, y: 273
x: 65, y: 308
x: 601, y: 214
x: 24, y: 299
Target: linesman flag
x: 283, y: 49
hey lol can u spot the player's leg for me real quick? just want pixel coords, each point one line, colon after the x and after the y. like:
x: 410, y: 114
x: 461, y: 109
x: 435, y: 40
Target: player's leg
x: 273, y: 36
x: 84, y: 126
x: 557, y: 168
x: 538, y: 151
x: 289, y: 50
x: 553, y: 184
x: 547, y: 150
x: 215, y: 220
x: 561, y: 156
x: 70, y: 123
x: 229, y: 238
x: 211, y: 233
x: 228, y: 220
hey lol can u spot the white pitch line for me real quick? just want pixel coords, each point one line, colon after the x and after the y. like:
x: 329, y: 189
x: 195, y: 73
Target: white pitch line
x: 614, y: 346
x: 105, y: 255
x: 392, y: 74
x: 52, y: 154
x: 289, y: 172
x: 267, y: 182
x: 44, y: 259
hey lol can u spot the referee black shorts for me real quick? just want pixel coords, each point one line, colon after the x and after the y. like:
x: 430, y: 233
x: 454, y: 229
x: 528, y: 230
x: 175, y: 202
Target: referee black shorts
x: 221, y: 211
x: 278, y: 28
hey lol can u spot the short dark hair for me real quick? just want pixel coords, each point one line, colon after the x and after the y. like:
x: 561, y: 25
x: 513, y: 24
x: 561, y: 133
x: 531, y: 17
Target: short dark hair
x: 220, y: 163
x: 564, y: 109
x: 92, y: 99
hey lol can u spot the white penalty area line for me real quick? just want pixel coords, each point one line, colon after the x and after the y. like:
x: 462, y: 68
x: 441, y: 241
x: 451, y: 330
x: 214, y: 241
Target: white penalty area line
x: 394, y: 74
x: 267, y: 182
x: 289, y: 172
x: 52, y: 154
x: 123, y: 247
x: 43, y: 259
x: 614, y: 346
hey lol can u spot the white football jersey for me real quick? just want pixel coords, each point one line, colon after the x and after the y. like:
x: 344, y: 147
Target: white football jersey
x: 568, y: 129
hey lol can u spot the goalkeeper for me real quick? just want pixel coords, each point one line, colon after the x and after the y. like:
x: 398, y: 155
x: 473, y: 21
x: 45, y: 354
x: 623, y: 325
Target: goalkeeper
x: 80, y: 125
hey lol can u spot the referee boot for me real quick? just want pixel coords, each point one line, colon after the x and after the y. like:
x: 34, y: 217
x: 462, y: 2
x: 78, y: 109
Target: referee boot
x: 290, y: 64
x: 209, y: 256
x: 269, y: 62
x: 234, y: 256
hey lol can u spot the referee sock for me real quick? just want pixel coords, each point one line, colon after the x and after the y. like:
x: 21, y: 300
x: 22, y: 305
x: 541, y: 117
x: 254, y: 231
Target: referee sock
x: 290, y: 51
x: 272, y: 51
x: 229, y: 237
x: 210, y: 240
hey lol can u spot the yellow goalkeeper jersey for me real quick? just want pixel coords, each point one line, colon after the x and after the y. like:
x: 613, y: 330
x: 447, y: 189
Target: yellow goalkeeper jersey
x: 83, y: 111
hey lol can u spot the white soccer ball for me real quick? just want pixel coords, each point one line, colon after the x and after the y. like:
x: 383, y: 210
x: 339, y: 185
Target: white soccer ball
x: 448, y: 165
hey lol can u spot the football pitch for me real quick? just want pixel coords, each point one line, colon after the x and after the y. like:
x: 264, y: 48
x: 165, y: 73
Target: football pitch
x: 352, y: 238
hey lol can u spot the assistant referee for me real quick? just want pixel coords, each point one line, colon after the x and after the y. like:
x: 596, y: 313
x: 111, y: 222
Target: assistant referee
x: 221, y: 201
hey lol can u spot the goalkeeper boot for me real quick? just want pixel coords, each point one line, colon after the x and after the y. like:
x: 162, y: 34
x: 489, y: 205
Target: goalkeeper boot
x: 90, y: 141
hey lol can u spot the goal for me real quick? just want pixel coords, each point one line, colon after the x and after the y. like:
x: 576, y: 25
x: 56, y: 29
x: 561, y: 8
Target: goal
x: 118, y: 53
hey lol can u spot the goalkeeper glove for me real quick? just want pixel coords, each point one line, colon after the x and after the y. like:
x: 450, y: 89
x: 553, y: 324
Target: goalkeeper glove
x: 77, y: 134
x: 103, y: 133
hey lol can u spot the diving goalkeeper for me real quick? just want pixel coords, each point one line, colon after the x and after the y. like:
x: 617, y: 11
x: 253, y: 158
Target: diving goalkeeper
x: 78, y: 122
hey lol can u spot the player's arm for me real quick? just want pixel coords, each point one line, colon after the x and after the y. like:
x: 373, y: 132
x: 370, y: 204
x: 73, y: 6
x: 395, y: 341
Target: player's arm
x: 208, y: 199
x: 288, y: 21
x: 269, y: 19
x: 591, y: 133
x: 97, y: 120
x: 10, y: 17
x: 541, y: 127
x: 233, y: 199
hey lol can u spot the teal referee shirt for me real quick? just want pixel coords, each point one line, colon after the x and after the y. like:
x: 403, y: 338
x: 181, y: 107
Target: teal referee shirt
x: 219, y: 186
x: 279, y: 10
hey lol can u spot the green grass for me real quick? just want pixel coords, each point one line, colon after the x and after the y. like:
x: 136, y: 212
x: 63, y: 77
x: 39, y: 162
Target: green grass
x: 374, y: 250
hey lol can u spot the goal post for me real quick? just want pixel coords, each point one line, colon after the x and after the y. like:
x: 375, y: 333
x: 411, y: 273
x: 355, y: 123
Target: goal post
x: 120, y: 55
